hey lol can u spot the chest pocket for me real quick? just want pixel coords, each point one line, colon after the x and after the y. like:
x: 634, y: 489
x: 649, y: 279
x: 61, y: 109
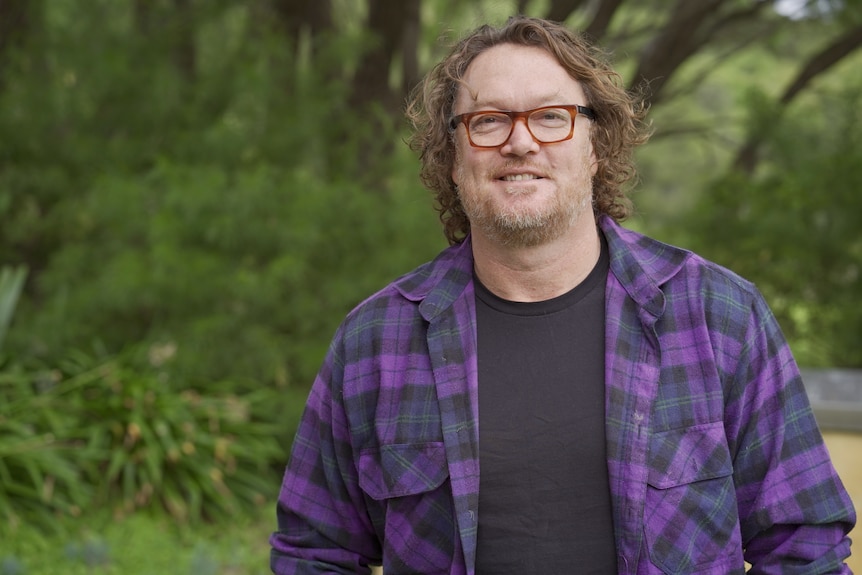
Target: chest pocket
x: 412, y: 507
x: 690, y: 516
x: 404, y: 469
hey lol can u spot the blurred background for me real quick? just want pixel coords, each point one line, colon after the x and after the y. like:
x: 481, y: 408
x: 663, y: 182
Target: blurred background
x: 193, y: 193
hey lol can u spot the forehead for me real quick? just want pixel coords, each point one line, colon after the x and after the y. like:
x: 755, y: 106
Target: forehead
x: 514, y: 77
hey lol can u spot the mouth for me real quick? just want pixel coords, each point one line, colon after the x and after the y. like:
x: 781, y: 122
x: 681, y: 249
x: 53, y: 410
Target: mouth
x: 519, y: 177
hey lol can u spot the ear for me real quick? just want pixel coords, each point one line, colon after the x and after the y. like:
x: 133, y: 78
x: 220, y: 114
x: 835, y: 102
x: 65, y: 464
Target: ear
x: 594, y: 162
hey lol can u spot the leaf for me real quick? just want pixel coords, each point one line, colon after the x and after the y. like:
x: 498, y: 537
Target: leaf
x: 11, y: 284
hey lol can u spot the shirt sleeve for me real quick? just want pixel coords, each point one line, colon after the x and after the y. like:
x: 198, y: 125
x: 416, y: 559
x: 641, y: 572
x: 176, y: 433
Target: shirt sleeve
x: 322, y: 523
x: 794, y: 511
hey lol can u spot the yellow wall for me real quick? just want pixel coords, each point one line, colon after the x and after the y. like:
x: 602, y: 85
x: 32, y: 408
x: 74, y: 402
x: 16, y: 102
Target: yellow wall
x: 846, y: 450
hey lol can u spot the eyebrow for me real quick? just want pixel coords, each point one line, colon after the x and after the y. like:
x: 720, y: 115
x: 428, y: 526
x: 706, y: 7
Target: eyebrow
x: 550, y: 99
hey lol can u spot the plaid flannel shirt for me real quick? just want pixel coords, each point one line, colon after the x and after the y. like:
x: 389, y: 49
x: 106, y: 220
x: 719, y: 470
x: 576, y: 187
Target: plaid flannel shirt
x: 714, y: 456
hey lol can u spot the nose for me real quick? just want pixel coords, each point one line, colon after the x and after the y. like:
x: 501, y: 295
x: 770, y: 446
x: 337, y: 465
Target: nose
x: 521, y: 142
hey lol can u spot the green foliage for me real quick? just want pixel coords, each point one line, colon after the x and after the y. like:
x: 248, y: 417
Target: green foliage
x: 794, y: 228
x: 195, y: 455
x: 41, y: 474
x: 11, y: 284
x: 205, y: 227
x: 118, y: 433
x: 230, y: 217
x: 245, y: 272
x: 204, y: 230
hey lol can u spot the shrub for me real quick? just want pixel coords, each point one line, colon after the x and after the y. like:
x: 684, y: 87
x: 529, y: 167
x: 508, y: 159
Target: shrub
x: 11, y: 283
x: 118, y: 432
x: 40, y: 471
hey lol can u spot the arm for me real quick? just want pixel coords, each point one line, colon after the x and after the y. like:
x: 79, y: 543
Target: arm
x: 794, y: 511
x: 322, y: 523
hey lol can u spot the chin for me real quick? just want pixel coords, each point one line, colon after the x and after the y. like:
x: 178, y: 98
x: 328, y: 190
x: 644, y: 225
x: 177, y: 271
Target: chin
x: 527, y: 230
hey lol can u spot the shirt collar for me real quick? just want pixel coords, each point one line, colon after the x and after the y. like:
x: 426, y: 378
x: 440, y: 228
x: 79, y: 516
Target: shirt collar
x: 439, y: 282
x: 640, y: 264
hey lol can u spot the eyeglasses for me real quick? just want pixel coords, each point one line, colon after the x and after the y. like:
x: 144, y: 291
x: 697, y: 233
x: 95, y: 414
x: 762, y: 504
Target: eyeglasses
x: 547, y: 125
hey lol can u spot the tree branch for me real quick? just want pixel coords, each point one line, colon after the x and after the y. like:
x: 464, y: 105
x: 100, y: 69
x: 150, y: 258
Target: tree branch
x: 823, y: 61
x: 748, y: 155
x: 560, y: 10
x: 602, y: 18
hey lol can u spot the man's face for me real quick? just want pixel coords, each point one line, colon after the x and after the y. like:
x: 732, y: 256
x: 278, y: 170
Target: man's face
x: 523, y: 193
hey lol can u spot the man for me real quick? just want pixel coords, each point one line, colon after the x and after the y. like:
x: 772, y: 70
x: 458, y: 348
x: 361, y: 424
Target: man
x: 553, y: 393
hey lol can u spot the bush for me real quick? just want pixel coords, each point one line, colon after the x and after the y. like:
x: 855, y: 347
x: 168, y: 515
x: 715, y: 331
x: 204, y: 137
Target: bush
x: 112, y: 432
x: 41, y: 473
x: 11, y: 282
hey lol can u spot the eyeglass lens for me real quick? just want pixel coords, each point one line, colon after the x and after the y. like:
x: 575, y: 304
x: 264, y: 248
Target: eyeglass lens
x: 546, y: 125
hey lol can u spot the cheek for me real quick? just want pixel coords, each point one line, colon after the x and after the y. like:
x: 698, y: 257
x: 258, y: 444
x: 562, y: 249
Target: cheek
x: 457, y: 162
x: 463, y: 165
x: 594, y: 162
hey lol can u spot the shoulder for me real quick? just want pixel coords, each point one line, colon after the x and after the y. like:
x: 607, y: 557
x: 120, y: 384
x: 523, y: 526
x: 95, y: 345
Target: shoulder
x: 416, y: 296
x: 642, y: 263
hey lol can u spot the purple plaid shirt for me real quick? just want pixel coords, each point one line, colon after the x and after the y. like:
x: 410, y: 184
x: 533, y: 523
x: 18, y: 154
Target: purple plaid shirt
x: 713, y: 452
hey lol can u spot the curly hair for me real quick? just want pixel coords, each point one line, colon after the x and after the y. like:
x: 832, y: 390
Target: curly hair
x: 619, y: 126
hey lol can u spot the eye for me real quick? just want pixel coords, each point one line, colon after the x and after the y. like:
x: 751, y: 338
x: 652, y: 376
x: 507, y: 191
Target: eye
x: 486, y: 122
x: 552, y: 117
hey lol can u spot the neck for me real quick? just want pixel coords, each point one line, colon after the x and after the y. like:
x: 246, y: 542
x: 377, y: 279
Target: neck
x: 537, y: 273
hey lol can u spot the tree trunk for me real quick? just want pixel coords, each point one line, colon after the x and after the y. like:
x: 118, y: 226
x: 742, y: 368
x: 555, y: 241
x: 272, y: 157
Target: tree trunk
x: 296, y: 16
x: 183, y: 40
x: 172, y: 25
x: 559, y: 10
x: 681, y: 37
x: 395, y: 27
x: 692, y: 25
x: 16, y: 22
x: 602, y: 19
x: 411, y: 75
x: 390, y: 22
x: 142, y: 13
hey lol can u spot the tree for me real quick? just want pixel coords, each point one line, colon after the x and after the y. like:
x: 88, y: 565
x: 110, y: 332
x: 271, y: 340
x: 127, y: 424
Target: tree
x: 818, y: 64
x: 174, y: 23
x: 394, y: 26
x: 689, y: 29
x: 665, y: 38
x: 298, y: 18
x: 170, y: 141
x: 793, y: 227
x: 18, y: 19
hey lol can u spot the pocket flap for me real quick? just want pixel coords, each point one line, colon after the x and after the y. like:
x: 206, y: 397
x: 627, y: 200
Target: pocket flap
x: 402, y: 469
x: 683, y: 456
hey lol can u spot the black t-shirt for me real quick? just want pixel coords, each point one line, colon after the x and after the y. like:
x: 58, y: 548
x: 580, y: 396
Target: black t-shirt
x: 544, y: 500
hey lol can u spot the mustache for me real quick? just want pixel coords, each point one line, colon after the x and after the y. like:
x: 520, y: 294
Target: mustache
x: 517, y: 165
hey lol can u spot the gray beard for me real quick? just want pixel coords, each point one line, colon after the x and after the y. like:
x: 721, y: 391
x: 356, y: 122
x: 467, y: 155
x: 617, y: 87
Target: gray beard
x: 520, y: 230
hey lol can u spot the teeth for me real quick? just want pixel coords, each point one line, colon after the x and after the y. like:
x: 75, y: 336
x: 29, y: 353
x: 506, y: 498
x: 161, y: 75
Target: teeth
x: 519, y: 177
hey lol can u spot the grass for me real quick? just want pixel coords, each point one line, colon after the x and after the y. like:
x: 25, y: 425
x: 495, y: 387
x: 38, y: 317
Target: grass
x: 141, y: 544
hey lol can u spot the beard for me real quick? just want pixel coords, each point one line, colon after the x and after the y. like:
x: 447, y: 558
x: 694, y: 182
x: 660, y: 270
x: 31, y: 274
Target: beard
x: 524, y: 224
